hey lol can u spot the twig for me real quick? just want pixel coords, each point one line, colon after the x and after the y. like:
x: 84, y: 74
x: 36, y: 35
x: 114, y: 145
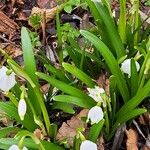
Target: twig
x: 138, y: 128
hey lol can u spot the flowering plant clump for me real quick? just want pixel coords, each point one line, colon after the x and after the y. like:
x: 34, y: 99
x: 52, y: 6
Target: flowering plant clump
x: 51, y: 85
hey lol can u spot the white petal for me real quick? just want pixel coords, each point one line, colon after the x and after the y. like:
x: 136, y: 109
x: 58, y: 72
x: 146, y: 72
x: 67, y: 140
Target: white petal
x: 95, y: 114
x: 14, y: 147
x: 88, y: 145
x: 22, y: 108
x: 6, y: 81
x: 95, y: 93
x: 126, y: 66
x: 25, y: 148
x: 97, y: 1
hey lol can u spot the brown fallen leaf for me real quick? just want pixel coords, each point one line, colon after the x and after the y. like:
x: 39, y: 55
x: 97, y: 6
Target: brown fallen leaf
x: 103, y: 81
x: 132, y: 139
x: 46, y: 3
x: 7, y: 25
x: 13, y: 51
x: 68, y: 130
x: 101, y: 143
x: 39, y: 134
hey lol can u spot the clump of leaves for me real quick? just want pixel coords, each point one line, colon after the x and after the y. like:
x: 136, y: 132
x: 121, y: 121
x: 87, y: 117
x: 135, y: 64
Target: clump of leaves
x: 35, y: 21
x: 69, y: 31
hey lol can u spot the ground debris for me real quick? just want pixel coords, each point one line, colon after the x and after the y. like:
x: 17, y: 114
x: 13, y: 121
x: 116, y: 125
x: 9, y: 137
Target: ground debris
x: 132, y: 139
x: 7, y: 25
x: 68, y: 130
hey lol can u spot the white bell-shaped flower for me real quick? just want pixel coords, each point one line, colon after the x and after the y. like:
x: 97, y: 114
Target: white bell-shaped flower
x: 97, y: 1
x: 96, y: 93
x: 95, y: 114
x: 7, y: 81
x: 15, y: 147
x: 88, y: 145
x: 22, y: 108
x: 126, y: 66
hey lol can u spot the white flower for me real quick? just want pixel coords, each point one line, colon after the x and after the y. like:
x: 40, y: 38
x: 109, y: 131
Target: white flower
x: 97, y: 1
x: 95, y: 114
x: 22, y: 108
x: 15, y: 147
x: 88, y: 145
x: 96, y: 93
x: 6, y: 81
x: 126, y: 66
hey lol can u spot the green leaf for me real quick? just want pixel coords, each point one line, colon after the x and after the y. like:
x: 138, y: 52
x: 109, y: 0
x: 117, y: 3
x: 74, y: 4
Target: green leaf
x: 147, y: 3
x: 111, y: 62
x: 12, y: 111
x: 135, y: 101
x: 68, y: 8
x: 66, y: 88
x: 95, y: 131
x: 124, y: 118
x: 79, y: 74
x: 73, y: 100
x: 7, y: 130
x: 122, y: 21
x: 107, y: 28
x: 30, y: 67
x: 57, y: 72
x: 20, y: 72
x: 134, y: 78
x: 29, y: 143
x: 64, y: 107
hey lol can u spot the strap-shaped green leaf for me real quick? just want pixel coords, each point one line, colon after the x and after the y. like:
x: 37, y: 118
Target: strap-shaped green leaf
x: 30, y: 67
x: 66, y: 88
x: 74, y: 100
x: 79, y: 74
x: 7, y: 142
x: 11, y: 111
x: 111, y: 62
x: 124, y: 118
x: 135, y: 101
x: 95, y: 131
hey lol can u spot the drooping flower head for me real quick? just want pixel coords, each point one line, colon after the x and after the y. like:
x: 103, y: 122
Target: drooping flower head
x: 126, y: 66
x: 95, y: 114
x: 22, y: 108
x: 88, y: 145
x: 7, y: 81
x: 96, y: 93
x: 15, y: 147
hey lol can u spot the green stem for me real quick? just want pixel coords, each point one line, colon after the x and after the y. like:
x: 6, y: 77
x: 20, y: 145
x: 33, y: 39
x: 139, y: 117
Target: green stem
x: 44, y: 111
x: 136, y: 21
x: 59, y: 36
x: 12, y: 98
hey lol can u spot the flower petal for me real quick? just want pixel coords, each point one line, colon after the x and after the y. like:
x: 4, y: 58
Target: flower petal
x: 88, y: 145
x: 14, y: 147
x: 22, y: 108
x: 95, y: 93
x: 6, y: 81
x: 126, y: 66
x: 95, y: 114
